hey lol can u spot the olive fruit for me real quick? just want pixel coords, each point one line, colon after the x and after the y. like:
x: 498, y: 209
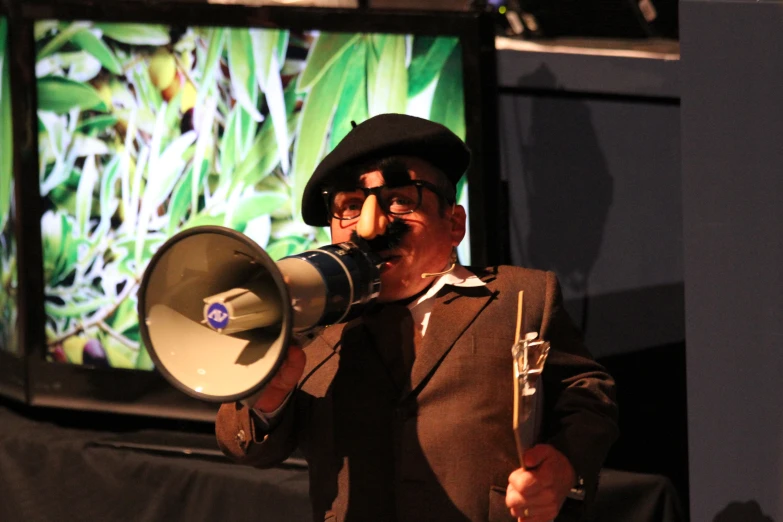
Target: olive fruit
x: 162, y: 69
x: 169, y: 92
x: 58, y: 354
x: 94, y: 354
x: 188, y: 97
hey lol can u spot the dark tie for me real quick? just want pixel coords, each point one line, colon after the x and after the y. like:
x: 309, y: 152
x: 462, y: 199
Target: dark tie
x: 395, y: 338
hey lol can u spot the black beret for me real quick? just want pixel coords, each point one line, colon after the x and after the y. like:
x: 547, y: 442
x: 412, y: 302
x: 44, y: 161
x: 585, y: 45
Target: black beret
x: 381, y: 137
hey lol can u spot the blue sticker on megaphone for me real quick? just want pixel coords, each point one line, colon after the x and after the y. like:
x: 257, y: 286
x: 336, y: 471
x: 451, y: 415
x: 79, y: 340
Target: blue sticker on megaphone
x: 217, y: 316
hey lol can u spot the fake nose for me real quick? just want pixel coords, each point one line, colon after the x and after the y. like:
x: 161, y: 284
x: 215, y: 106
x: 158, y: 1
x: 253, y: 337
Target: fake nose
x: 373, y: 220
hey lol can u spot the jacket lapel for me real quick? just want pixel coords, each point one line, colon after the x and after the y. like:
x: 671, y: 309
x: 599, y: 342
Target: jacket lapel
x: 453, y: 311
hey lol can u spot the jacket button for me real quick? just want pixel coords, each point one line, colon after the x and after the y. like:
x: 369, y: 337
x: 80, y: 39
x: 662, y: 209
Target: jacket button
x: 241, y: 437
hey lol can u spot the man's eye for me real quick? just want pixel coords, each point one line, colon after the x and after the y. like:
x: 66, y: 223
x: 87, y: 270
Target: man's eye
x: 352, y: 205
x: 400, y: 200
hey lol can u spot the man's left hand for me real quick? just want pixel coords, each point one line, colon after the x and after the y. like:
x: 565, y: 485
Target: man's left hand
x: 537, y: 491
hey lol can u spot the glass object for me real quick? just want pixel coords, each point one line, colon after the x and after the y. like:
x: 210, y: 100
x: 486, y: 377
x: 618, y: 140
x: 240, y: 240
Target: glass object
x: 529, y: 357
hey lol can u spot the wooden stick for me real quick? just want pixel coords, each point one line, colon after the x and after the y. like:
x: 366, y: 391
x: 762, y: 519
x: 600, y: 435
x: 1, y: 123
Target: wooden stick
x: 519, y: 316
x: 516, y: 424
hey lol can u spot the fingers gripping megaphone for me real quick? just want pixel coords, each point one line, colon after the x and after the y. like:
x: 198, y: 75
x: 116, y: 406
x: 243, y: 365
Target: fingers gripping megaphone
x: 217, y: 314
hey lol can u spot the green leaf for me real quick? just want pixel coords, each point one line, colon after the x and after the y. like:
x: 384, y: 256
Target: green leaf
x: 125, y: 317
x: 136, y: 34
x: 59, y: 246
x: 286, y: 246
x: 205, y: 219
x: 317, y: 113
x: 268, y: 76
x: 353, y: 101
x: 82, y: 146
x: 182, y: 198
x: 259, y: 230
x: 166, y: 169
x: 108, y: 191
x: 6, y: 131
x: 216, y: 40
x: 95, y: 46
x: 247, y: 129
x: 118, y: 354
x: 387, y: 89
x: 378, y: 41
x: 60, y: 95
x: 84, y: 195
x: 461, y: 189
x: 97, y: 124
x: 127, y: 245
x: 328, y: 48
x: 261, y: 159
x: 242, y: 69
x: 143, y: 361
x: 256, y: 205
x: 204, y: 145
x: 62, y: 38
x: 76, y: 310
x: 282, y: 46
x: 448, y: 102
x: 180, y: 201
x: 264, y: 47
x: 83, y: 67
x: 322, y: 236
x: 426, y: 66
x: 149, y: 95
x: 228, y: 145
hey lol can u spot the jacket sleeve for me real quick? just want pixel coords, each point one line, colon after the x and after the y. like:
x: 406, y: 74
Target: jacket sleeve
x: 243, y: 439
x: 580, y: 419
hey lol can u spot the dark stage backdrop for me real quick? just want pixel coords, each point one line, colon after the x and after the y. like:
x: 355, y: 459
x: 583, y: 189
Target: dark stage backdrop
x: 732, y: 117
x: 590, y: 149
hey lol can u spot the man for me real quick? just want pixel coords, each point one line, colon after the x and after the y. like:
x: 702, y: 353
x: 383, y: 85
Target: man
x: 405, y: 414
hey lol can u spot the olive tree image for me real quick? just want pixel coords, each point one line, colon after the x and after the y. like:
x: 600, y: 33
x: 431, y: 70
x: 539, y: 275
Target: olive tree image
x: 147, y: 130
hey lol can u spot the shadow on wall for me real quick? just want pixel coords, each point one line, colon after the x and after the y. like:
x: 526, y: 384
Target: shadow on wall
x: 568, y: 190
x: 749, y: 511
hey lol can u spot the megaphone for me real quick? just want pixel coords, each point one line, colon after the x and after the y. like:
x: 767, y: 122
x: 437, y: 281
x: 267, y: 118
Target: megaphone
x: 217, y: 314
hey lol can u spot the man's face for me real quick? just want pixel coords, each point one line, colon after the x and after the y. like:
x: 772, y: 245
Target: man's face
x: 426, y: 246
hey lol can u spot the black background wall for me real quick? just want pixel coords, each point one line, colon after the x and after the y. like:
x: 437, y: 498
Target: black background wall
x: 664, y: 178
x: 590, y: 149
x: 732, y: 131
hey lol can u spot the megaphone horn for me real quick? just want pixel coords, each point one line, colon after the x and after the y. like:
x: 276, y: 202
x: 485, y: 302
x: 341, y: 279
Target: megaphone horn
x: 217, y: 313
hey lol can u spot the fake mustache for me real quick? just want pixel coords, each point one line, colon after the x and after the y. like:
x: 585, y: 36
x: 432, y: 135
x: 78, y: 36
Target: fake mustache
x: 390, y: 240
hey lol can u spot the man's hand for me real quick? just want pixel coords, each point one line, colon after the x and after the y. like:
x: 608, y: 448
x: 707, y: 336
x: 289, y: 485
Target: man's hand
x: 283, y: 382
x: 536, y: 492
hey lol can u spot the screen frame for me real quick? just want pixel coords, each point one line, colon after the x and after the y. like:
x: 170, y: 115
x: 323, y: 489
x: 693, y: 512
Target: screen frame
x: 13, y: 366
x: 147, y: 393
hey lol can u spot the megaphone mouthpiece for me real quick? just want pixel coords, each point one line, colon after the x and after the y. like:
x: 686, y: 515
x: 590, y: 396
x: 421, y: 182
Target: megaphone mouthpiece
x: 239, y: 309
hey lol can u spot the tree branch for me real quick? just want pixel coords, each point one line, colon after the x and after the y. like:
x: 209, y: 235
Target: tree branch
x: 118, y: 336
x: 98, y: 317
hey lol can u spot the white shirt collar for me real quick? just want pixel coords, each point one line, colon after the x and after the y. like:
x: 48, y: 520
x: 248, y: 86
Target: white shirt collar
x: 460, y: 276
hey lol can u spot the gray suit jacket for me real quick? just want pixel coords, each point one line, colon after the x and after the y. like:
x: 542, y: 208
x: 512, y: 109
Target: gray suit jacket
x: 390, y: 437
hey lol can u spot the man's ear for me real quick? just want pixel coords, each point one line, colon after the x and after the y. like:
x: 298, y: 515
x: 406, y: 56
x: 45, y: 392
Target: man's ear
x: 458, y: 221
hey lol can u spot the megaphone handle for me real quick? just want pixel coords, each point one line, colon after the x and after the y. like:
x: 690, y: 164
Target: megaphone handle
x: 251, y: 400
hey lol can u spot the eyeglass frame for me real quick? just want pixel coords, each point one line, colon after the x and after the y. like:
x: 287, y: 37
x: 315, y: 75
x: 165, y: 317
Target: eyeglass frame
x: 418, y: 183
